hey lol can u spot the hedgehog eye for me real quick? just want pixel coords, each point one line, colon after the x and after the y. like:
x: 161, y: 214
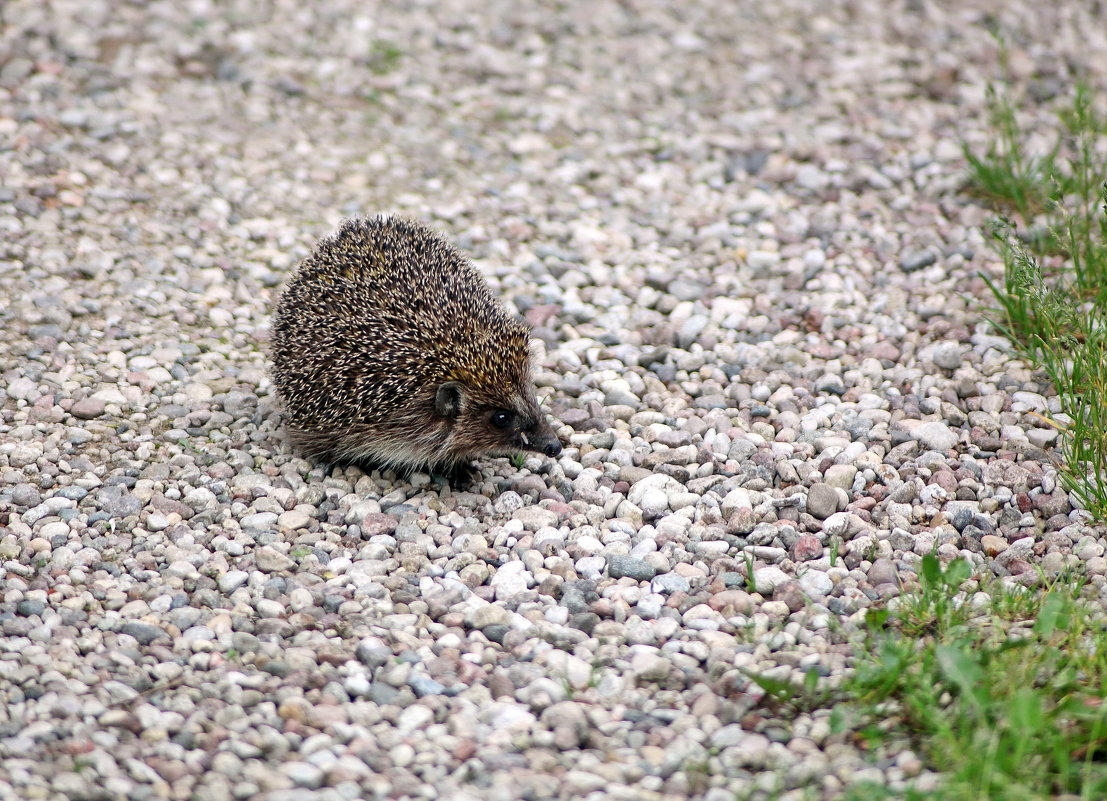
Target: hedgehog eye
x: 501, y: 419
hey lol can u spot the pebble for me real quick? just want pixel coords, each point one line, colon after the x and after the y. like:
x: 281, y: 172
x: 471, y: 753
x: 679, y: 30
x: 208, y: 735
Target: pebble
x: 87, y: 408
x: 271, y: 560
x: 116, y: 502
x: 669, y: 583
x: 145, y: 633
x: 510, y: 580
x: 807, y: 547
x: 629, y: 567
x: 883, y: 571
x: 822, y: 501
x: 948, y: 355
x: 260, y: 521
x: 815, y: 583
x: 935, y: 436
x: 293, y: 519
x: 767, y: 579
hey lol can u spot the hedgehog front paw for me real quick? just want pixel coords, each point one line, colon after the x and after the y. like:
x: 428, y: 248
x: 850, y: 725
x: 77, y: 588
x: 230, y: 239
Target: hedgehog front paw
x: 459, y: 475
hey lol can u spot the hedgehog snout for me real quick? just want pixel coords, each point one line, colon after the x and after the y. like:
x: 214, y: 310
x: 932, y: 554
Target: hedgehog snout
x: 542, y: 439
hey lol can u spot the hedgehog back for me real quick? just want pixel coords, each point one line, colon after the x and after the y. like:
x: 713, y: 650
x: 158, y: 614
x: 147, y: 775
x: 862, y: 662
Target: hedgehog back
x: 377, y: 317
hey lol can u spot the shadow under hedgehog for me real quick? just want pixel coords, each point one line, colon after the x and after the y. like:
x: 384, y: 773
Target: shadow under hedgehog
x: 389, y: 349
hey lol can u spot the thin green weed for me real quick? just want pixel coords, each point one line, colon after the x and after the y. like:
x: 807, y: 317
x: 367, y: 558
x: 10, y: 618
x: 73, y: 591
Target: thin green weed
x: 1052, y: 302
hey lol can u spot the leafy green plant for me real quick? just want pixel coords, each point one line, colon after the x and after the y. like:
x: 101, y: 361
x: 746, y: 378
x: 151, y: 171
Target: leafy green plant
x: 1005, y: 708
x: 792, y: 697
x: 935, y: 606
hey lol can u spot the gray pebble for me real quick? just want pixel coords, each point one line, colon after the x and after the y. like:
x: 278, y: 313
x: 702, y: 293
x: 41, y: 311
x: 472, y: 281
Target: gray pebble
x: 629, y: 567
x: 935, y: 436
x: 116, y: 502
x: 883, y: 571
x: 27, y: 608
x: 143, y: 632
x: 917, y: 260
x: 232, y: 580
x: 948, y: 355
x: 822, y: 501
x: 25, y: 495
x: 271, y: 560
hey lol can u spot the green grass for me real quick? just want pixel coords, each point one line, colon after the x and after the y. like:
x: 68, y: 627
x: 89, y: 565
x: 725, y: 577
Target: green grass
x: 1007, y: 705
x: 1005, y: 174
x: 1003, y: 702
x: 1052, y: 302
x: 384, y: 56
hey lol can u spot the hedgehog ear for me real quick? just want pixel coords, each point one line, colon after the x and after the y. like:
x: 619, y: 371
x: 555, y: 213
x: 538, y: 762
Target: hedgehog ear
x: 447, y: 399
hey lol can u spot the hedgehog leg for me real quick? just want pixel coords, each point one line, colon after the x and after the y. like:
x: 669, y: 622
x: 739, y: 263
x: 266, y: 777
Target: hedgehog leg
x: 459, y: 474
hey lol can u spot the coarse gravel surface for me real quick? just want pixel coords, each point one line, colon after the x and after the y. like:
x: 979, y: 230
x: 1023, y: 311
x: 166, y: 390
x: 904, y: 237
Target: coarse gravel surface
x: 739, y: 232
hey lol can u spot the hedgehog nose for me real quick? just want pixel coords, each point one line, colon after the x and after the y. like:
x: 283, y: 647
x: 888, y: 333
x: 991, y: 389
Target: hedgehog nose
x: 552, y: 448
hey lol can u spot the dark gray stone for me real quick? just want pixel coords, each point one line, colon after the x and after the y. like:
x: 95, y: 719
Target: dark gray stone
x: 629, y: 567
x: 143, y: 632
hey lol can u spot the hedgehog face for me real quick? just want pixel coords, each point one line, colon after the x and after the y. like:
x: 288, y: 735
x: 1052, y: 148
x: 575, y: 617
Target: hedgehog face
x: 497, y: 426
x: 523, y: 431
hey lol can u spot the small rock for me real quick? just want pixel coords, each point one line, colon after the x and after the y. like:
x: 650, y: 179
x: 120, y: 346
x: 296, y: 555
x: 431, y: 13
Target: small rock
x: 767, y: 579
x: 815, y: 583
x: 259, y: 521
x: 28, y: 608
x: 293, y: 519
x: 629, y: 567
x: 790, y: 593
x: 87, y: 408
x: 822, y: 501
x: 424, y: 685
x: 117, y: 502
x: 143, y: 632
x: 917, y: 260
x: 26, y: 495
x: 948, y: 355
x: 568, y: 722
x: 1005, y: 473
x: 232, y: 580
x: 883, y: 571
x: 807, y: 547
x: 935, y: 436
x: 487, y: 615
x: 271, y: 560
x: 376, y: 524
x: 535, y: 517
x: 840, y: 476
x: 993, y: 545
x: 649, y: 665
x: 304, y: 774
x: 23, y: 388
x: 668, y: 583
x: 510, y: 579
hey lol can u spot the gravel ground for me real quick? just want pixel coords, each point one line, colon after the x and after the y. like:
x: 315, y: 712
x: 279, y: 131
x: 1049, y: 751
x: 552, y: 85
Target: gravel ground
x: 739, y: 236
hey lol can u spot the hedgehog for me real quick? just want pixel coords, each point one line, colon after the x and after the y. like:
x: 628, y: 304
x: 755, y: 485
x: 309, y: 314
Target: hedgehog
x: 389, y: 350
